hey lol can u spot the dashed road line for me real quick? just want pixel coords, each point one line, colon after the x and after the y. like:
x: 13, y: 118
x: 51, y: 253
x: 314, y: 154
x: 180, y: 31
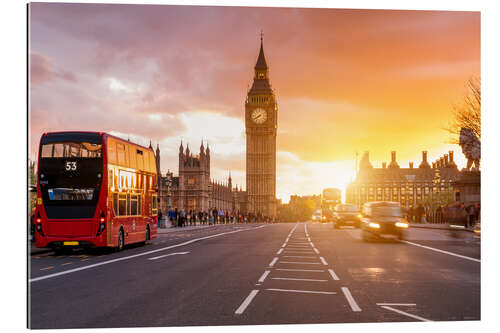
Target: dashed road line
x: 332, y: 273
x: 299, y: 270
x: 316, y: 250
x: 298, y: 257
x: 397, y: 304
x: 350, y: 299
x: 323, y: 261
x: 66, y: 263
x: 303, y: 291
x: 271, y: 264
x: 294, y: 279
x: 263, y: 277
x: 167, y: 255
x: 46, y: 268
x: 279, y: 251
x: 246, y: 302
x: 298, y: 262
x: 405, y: 313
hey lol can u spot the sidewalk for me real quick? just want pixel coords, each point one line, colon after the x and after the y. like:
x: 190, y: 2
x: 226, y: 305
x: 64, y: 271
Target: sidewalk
x: 170, y: 229
x: 440, y: 226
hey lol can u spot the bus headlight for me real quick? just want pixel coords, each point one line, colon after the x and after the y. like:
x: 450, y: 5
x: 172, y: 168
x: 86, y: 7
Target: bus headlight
x: 401, y: 225
x: 374, y: 225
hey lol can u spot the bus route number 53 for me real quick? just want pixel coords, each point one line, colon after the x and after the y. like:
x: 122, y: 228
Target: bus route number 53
x: 70, y: 166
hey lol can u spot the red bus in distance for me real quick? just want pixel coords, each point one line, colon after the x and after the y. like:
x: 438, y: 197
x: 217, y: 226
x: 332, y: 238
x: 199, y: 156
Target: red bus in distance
x: 94, y: 189
x: 329, y: 199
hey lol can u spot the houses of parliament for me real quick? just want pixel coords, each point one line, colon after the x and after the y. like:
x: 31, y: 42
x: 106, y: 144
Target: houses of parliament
x: 193, y: 188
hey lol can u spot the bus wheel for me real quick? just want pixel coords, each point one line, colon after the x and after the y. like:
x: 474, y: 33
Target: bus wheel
x: 120, y: 240
x: 148, y: 234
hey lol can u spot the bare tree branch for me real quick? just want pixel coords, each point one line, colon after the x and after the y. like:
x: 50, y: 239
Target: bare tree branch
x: 467, y: 113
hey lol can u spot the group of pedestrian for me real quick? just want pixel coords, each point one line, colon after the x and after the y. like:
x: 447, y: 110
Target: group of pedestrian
x: 417, y: 214
x: 182, y: 218
x: 457, y: 213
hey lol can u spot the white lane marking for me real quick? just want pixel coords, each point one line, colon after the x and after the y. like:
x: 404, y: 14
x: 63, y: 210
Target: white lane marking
x: 312, y: 244
x: 442, y: 251
x: 279, y: 251
x: 323, y: 261
x: 246, y: 302
x: 316, y: 250
x: 350, y: 299
x: 263, y: 277
x: 273, y: 262
x: 299, y: 243
x: 397, y: 304
x: 298, y: 262
x: 137, y: 255
x: 298, y: 251
x: 284, y: 244
x: 304, y: 291
x: 299, y: 257
x: 167, y: 255
x: 405, y: 313
x: 293, y: 279
x: 309, y: 239
x: 299, y: 270
x: 332, y: 273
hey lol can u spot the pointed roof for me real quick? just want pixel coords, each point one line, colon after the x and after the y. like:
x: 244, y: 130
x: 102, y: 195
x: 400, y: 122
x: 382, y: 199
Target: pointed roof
x: 261, y: 61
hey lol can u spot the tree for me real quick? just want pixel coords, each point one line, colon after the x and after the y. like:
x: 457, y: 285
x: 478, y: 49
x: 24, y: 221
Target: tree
x: 467, y: 114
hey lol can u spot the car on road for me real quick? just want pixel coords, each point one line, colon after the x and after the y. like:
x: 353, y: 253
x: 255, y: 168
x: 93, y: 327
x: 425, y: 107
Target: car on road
x: 382, y: 219
x: 316, y: 216
x: 346, y: 215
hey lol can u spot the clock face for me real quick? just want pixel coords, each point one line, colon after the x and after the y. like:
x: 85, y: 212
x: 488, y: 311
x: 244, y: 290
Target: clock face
x: 259, y: 116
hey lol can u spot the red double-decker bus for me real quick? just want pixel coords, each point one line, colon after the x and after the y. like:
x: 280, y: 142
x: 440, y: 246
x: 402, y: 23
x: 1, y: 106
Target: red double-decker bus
x: 94, y: 189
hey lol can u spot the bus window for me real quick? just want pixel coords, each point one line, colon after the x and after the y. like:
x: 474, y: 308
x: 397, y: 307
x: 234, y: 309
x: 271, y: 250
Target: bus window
x: 152, y: 163
x: 115, y: 203
x: 146, y: 160
x: 122, y: 204
x: 155, y: 204
x: 133, y: 205
x: 132, y: 157
x: 140, y: 159
x: 120, y: 149
x: 111, y: 152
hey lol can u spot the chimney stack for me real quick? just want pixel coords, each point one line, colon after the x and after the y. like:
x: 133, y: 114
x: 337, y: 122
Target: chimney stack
x: 384, y: 165
x: 393, y: 163
x: 452, y: 162
x: 424, y: 163
x: 434, y: 165
x: 446, y: 160
x: 411, y: 165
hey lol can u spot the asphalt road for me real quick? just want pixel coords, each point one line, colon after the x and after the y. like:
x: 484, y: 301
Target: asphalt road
x: 286, y: 273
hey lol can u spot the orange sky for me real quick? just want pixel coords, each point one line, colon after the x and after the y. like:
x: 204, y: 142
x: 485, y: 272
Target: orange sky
x: 346, y: 81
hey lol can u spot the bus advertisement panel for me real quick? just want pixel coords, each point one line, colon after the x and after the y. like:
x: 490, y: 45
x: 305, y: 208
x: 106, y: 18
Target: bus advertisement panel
x: 94, y: 189
x: 329, y: 199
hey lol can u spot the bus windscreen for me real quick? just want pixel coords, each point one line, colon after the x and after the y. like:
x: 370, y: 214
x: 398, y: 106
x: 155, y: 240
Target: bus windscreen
x: 70, y: 174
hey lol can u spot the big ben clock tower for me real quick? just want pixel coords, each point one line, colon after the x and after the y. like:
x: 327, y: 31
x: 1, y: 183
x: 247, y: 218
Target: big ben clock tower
x: 261, y: 122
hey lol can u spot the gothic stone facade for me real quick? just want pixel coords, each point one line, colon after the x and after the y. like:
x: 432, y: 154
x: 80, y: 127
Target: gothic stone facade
x: 261, y: 120
x: 408, y: 186
x: 193, y: 189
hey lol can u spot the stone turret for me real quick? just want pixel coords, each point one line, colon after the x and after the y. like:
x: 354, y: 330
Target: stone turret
x: 393, y: 163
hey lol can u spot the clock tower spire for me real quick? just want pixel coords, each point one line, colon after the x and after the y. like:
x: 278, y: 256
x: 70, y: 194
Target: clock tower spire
x: 261, y: 120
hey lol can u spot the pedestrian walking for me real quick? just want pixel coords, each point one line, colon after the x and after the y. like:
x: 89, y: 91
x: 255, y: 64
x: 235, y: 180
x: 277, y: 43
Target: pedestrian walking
x: 160, y: 216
